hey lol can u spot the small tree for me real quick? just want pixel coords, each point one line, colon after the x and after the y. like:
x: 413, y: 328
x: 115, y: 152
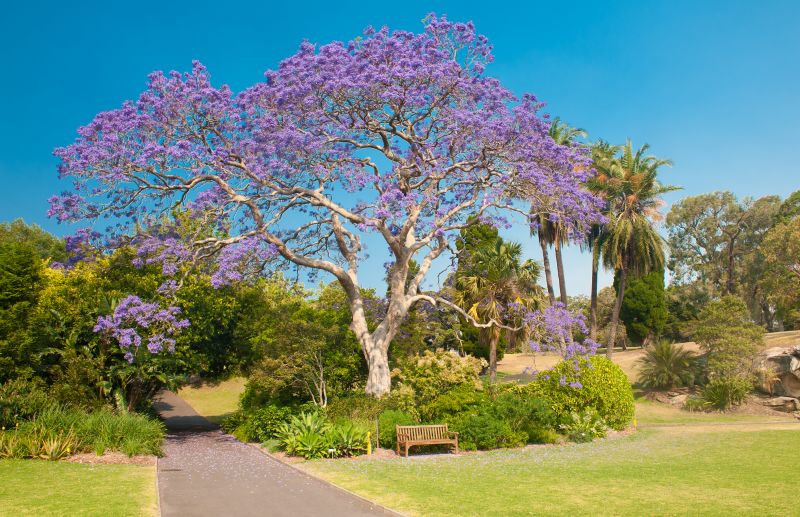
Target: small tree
x: 728, y: 337
x: 644, y: 309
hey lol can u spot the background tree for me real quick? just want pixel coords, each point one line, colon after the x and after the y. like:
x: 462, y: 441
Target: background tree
x: 494, y: 289
x: 644, y: 309
x: 781, y: 275
x: 632, y: 246
x: 549, y: 230
x: 603, y: 155
x: 714, y: 240
x: 394, y: 135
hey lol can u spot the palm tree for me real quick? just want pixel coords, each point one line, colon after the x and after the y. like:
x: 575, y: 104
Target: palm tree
x: 631, y: 244
x: 495, y: 280
x: 602, y: 154
x: 550, y: 232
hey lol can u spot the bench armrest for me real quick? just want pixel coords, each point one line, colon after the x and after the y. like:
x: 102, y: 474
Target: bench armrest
x: 454, y: 433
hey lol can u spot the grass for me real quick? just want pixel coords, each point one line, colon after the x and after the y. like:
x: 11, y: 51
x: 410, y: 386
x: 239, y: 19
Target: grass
x: 653, y: 472
x: 42, y: 488
x: 215, y: 401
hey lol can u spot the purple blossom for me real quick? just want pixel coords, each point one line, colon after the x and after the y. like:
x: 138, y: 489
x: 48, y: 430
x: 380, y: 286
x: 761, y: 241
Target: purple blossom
x: 135, y: 321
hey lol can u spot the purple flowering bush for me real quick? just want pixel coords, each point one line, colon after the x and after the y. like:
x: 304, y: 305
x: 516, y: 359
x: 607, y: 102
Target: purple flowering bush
x: 596, y: 383
x: 144, y: 333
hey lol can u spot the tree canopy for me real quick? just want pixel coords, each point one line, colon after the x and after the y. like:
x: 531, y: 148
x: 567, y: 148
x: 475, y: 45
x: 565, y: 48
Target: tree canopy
x: 394, y: 134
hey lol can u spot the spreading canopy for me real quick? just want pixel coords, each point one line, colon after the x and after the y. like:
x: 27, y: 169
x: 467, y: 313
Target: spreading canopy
x: 396, y: 134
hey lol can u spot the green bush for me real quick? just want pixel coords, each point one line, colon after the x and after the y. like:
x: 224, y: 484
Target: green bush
x: 21, y: 400
x: 524, y: 413
x: 584, y: 427
x: 485, y: 431
x: 723, y: 393
x: 265, y: 421
x: 386, y: 425
x: 665, y: 365
x: 596, y: 383
x: 357, y: 406
x: 422, y: 378
x: 450, y: 404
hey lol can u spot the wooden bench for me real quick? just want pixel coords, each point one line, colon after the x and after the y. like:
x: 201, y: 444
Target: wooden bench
x: 408, y: 435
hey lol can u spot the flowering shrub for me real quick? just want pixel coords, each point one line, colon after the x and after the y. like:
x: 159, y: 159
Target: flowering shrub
x: 576, y: 385
x: 144, y: 333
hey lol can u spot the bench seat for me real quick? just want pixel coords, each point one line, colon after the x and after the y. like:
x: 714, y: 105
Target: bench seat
x: 410, y: 435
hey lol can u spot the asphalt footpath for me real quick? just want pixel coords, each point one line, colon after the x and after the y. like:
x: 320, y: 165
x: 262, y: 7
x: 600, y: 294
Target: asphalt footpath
x: 206, y: 472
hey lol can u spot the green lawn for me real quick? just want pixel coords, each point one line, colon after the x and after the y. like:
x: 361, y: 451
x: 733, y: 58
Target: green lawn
x: 215, y: 401
x: 654, y: 472
x: 34, y: 487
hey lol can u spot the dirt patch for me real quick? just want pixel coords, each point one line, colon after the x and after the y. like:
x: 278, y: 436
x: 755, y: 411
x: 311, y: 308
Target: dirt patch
x: 110, y: 458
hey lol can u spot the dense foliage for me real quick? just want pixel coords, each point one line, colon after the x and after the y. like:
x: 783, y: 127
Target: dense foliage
x: 597, y: 383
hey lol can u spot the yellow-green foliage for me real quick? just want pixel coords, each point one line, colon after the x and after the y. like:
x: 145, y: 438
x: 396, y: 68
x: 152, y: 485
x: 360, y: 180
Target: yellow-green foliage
x: 604, y: 387
x: 421, y: 378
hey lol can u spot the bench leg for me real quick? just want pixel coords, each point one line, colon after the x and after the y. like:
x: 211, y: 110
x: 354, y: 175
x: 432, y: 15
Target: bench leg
x: 406, y: 450
x: 456, y: 446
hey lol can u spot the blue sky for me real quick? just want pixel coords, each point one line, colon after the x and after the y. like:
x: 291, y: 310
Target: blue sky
x: 712, y: 85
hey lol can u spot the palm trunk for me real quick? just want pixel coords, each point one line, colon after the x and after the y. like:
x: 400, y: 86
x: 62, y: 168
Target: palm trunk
x: 612, y: 332
x: 548, y: 275
x: 562, y: 283
x: 593, y: 303
x: 494, y: 338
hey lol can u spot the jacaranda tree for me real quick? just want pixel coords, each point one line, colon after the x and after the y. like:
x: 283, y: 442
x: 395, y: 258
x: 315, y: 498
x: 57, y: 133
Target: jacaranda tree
x: 394, y: 134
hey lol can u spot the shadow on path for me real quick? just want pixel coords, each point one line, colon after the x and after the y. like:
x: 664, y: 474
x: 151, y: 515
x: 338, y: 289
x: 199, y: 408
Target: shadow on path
x: 207, y: 472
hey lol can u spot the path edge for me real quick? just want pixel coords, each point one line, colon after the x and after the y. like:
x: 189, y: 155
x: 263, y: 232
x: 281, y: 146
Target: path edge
x: 158, y: 490
x: 325, y: 481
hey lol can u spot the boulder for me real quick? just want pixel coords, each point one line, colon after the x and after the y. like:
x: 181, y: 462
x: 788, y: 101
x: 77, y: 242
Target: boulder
x: 785, y: 404
x: 784, y: 362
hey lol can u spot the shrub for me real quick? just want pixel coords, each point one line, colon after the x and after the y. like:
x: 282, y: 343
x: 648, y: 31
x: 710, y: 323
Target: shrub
x: 726, y: 392
x: 21, y: 400
x: 523, y: 413
x: 312, y: 436
x: 448, y: 405
x: 425, y: 377
x: 728, y: 337
x: 666, y: 365
x: 265, y: 421
x: 386, y: 426
x: 584, y: 427
x: 357, y: 406
x: 485, y: 431
x: 347, y: 439
x: 596, y: 383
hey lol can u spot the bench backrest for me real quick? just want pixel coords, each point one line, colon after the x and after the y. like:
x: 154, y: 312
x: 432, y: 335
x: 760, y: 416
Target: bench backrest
x: 422, y: 432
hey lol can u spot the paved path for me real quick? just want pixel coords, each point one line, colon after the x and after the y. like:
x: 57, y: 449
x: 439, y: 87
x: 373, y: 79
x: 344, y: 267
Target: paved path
x: 207, y: 472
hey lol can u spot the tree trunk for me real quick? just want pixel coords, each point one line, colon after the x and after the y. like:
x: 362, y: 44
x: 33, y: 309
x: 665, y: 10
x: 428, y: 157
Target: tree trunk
x: 494, y: 338
x: 548, y: 275
x: 379, y: 381
x: 730, y: 284
x: 593, y: 302
x: 562, y: 283
x: 612, y: 331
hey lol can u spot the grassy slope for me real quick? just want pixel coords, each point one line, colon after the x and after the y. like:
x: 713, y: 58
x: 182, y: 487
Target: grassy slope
x: 653, y: 472
x: 41, y: 488
x: 215, y: 401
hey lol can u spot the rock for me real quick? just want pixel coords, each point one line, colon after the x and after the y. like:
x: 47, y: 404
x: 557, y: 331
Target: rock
x: 785, y: 363
x: 785, y: 404
x: 679, y: 400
